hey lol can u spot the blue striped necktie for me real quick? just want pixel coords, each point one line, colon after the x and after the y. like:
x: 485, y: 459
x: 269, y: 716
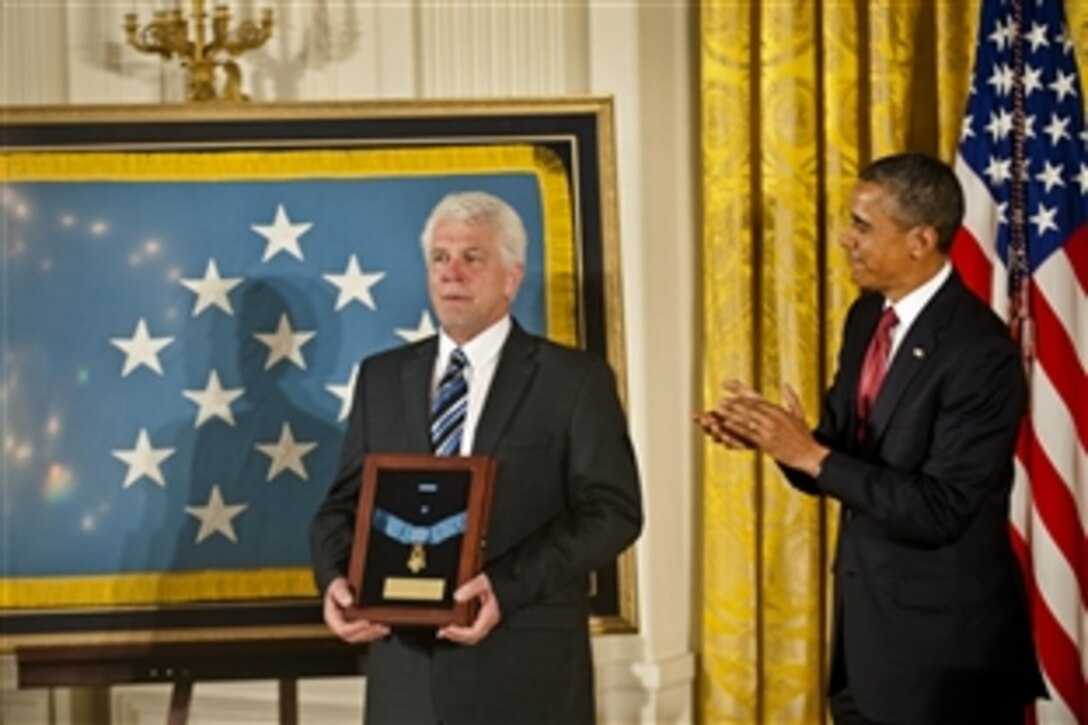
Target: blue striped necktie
x: 449, y: 407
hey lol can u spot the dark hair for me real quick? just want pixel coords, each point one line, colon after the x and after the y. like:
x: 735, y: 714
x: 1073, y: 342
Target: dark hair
x: 926, y: 191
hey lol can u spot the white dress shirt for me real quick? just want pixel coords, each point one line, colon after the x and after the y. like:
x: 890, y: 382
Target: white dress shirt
x: 912, y: 304
x: 482, y: 352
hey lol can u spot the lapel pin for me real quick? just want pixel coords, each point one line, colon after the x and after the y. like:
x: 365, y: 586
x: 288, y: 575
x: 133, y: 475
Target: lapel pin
x: 918, y: 353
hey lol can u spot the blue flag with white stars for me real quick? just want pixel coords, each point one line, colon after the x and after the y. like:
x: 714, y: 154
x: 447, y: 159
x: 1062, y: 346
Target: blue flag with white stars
x: 179, y: 356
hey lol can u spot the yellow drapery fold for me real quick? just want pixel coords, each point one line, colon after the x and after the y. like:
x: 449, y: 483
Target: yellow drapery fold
x: 796, y: 96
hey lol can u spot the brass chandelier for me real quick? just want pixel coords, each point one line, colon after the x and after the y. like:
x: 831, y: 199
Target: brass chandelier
x: 168, y: 34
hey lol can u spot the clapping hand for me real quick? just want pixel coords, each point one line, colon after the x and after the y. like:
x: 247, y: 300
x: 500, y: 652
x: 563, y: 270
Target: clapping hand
x: 746, y: 420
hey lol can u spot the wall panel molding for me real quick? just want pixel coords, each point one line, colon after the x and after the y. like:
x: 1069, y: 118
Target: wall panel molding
x: 502, y: 49
x: 32, y: 43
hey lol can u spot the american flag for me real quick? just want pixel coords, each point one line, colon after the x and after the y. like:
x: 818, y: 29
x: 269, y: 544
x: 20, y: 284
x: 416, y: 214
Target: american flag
x: 178, y: 360
x: 1023, y: 163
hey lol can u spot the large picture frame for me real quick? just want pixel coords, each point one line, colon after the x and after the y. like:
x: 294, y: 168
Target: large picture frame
x: 91, y: 456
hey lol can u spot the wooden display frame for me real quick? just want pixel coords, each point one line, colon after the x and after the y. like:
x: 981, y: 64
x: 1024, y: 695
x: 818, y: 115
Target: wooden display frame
x: 407, y: 590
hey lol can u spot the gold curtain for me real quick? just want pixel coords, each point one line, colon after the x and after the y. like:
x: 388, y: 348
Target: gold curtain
x: 796, y: 96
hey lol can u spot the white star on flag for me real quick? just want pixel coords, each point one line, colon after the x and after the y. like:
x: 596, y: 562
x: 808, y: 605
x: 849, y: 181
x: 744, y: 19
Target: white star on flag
x: 422, y: 332
x: 282, y: 235
x: 1043, y: 219
x: 1057, y: 129
x: 143, y: 460
x: 286, y: 453
x: 1082, y: 178
x: 141, y: 349
x: 213, y: 400
x: 1063, y: 85
x: 345, y: 392
x: 999, y: 170
x: 1029, y: 127
x: 1001, y: 80
x: 212, y: 289
x: 285, y: 343
x: 216, y: 517
x: 966, y: 131
x: 1033, y: 80
x: 1051, y: 175
x: 1000, y: 124
x: 354, y: 284
x: 1002, y: 34
x: 1037, y: 36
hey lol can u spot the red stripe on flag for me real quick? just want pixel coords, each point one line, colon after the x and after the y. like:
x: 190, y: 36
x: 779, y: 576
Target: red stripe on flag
x: 971, y: 262
x: 1076, y: 248
x: 1059, y: 655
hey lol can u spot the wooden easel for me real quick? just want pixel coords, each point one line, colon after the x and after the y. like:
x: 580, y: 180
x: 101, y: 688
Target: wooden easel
x: 185, y: 663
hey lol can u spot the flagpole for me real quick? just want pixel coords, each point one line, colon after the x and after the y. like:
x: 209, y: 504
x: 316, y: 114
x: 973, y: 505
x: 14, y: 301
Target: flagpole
x: 1020, y: 320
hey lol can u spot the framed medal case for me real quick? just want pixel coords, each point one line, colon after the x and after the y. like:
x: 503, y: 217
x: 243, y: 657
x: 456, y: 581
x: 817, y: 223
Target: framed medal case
x: 419, y: 536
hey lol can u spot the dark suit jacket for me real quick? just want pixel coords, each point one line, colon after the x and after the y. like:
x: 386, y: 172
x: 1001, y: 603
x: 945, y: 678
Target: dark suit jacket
x: 930, y: 613
x: 567, y: 501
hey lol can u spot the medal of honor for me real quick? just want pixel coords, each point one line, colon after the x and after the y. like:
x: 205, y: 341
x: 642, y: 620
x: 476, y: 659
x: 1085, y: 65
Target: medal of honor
x: 419, y: 537
x: 417, y: 560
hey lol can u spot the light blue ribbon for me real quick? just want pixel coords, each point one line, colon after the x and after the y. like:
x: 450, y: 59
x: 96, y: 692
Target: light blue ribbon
x: 401, y: 531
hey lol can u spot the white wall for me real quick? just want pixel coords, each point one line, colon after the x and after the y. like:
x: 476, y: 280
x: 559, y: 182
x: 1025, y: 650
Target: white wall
x: 72, y: 52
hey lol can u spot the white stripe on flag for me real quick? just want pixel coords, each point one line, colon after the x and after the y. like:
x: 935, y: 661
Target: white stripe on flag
x: 1055, y: 579
x: 1020, y: 503
x: 981, y: 218
x: 1053, y: 711
x: 1054, y: 427
x: 1056, y: 282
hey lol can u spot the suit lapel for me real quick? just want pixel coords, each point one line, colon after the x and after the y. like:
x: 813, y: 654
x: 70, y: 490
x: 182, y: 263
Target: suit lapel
x: 416, y: 389
x: 916, y: 349
x: 512, y: 377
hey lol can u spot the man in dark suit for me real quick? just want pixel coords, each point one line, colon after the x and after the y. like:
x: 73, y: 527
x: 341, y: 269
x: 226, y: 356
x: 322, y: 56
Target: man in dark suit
x: 567, y: 497
x: 915, y: 441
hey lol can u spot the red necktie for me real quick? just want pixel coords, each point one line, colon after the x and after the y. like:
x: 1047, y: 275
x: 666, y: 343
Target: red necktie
x: 875, y: 365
